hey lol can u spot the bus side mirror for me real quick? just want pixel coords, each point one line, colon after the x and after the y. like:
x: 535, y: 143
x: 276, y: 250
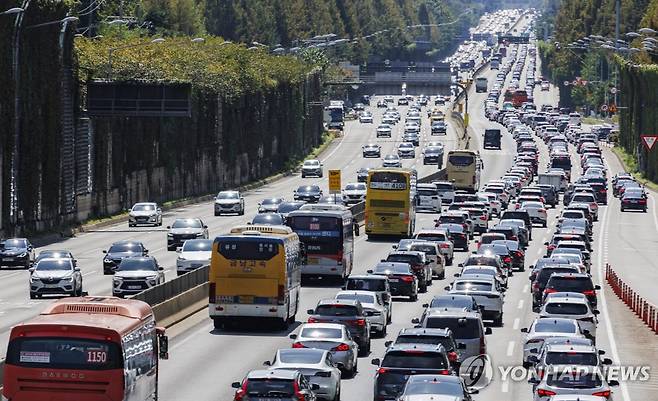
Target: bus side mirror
x: 163, y: 343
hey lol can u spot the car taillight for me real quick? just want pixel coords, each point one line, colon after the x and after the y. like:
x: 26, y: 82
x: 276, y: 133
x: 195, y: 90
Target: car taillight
x: 465, y: 226
x: 602, y: 190
x: 535, y: 286
x: 407, y: 279
x: 341, y: 347
x: 298, y: 345
x: 298, y: 393
x: 444, y: 246
x: 549, y: 290
x: 545, y: 393
x: 242, y: 391
x: 519, y: 254
x: 593, y: 204
x: 382, y: 370
x: 360, y: 322
x: 483, y: 217
x: 312, y: 320
x: 542, y: 210
x: 443, y: 372
x: 452, y: 356
x: 605, y: 393
x: 212, y: 289
x: 513, y: 238
x: 642, y: 202
x: 589, y: 293
x: 507, y: 259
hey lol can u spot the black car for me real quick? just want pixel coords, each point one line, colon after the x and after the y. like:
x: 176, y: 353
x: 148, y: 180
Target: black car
x: 433, y: 155
x: 438, y: 127
x: 268, y: 219
x: 285, y: 208
x: 457, y: 234
x: 633, y: 201
x: 491, y: 138
x: 549, y: 193
x: 541, y: 279
x: 17, y: 252
x: 362, y: 174
x: 119, y: 251
x: 401, y: 278
x: 348, y: 312
x: 441, y: 337
x: 372, y: 150
x: 308, y: 193
x: 522, y: 215
x: 418, y: 265
x: 600, y: 191
x: 573, y: 282
x: 403, y: 360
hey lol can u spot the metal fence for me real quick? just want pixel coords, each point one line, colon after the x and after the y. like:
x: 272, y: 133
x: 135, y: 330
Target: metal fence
x: 160, y: 293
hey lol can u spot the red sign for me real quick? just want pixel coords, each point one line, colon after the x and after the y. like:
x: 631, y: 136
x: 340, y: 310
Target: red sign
x: 649, y: 140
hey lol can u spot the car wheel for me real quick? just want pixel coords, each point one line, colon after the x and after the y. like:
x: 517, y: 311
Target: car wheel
x: 413, y: 298
x: 33, y: 295
x: 449, y: 261
x: 544, y: 224
x: 217, y: 214
x: 382, y: 332
x: 355, y: 368
x: 337, y: 397
x: 423, y: 288
x: 171, y: 248
x: 442, y: 275
x: 218, y: 323
x: 130, y: 225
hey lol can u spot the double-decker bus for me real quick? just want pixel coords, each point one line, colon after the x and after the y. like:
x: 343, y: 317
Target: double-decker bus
x: 463, y: 169
x: 85, y: 349
x: 327, y: 233
x: 390, y: 202
x: 255, y: 272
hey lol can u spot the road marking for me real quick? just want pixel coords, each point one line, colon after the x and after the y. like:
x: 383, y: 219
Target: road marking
x: 526, y: 288
x: 510, y: 348
x: 516, y: 323
x: 85, y: 274
x: 521, y: 302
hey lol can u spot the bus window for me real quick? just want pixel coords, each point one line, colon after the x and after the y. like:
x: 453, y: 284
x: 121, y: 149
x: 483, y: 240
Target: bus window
x: 461, y: 160
x: 248, y: 250
x: 64, y: 353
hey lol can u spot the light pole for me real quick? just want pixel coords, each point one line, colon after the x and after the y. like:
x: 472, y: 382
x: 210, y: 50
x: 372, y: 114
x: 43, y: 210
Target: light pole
x: 111, y: 51
x: 465, y: 92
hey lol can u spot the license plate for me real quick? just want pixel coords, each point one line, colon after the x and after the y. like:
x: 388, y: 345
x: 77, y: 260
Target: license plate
x: 248, y: 299
x: 313, y: 261
x: 8, y: 259
x: 51, y: 285
x: 134, y: 287
x: 393, y: 280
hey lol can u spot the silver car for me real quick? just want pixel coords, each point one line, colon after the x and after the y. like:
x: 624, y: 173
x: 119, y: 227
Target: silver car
x: 270, y: 205
x: 146, y: 213
x: 312, y: 167
x: 183, y: 229
x: 135, y: 275
x: 572, y: 380
x: 332, y: 337
x: 373, y: 307
x: 194, y: 254
x: 315, y: 364
x: 435, y: 388
x: 229, y: 202
x: 571, y: 305
x: 55, y: 276
x: 546, y: 328
x: 487, y: 292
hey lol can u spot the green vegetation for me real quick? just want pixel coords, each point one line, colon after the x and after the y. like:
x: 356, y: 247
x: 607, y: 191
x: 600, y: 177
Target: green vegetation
x: 630, y: 165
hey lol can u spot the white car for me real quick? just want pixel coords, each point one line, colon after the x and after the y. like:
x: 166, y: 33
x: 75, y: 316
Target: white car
x: 365, y: 118
x: 229, y: 202
x: 536, y: 211
x: 588, y: 199
x: 546, y: 328
x: 487, y: 292
x: 146, y: 213
x: 491, y: 199
x: 194, y: 254
x: 373, y: 307
x: 384, y: 130
x: 571, y: 305
x: 312, y: 167
x: 428, y: 198
x: 433, y: 254
x: 446, y: 191
x: 354, y: 192
x: 392, y: 161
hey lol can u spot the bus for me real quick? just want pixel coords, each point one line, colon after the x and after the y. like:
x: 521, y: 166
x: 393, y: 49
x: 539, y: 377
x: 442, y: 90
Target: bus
x: 463, y: 169
x: 390, y: 202
x: 327, y: 234
x: 255, y: 272
x: 86, y: 348
x: 519, y: 97
x: 481, y: 84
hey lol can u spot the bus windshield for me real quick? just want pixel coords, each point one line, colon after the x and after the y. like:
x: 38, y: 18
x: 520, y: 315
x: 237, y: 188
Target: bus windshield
x: 461, y: 160
x: 64, y: 353
x: 240, y: 249
x: 388, y: 180
x: 321, y: 234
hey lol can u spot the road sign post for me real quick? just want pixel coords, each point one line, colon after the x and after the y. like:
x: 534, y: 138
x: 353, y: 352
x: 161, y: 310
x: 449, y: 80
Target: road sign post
x: 649, y: 141
x: 334, y: 181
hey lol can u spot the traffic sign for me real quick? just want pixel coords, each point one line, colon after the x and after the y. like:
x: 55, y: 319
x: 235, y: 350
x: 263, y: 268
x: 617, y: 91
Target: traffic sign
x: 583, y: 83
x: 649, y: 140
x: 613, y: 90
x: 334, y: 181
x: 612, y: 108
x: 567, y: 83
x: 575, y: 82
x: 604, y: 107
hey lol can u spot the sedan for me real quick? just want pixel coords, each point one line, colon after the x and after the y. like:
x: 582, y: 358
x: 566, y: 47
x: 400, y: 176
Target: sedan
x: 312, y: 167
x: 571, y: 305
x: 384, y: 130
x: 547, y: 328
x: 402, y: 279
x: 406, y: 150
x: 365, y: 118
x: 145, y: 213
x: 55, y: 276
x: 487, y: 292
x: 572, y: 380
x: 315, y: 364
x: 194, y: 254
x: 373, y: 306
x: 332, y: 337
x: 362, y: 174
x: 633, y: 201
x: 392, y: 161
x: 436, y: 387
x: 372, y: 150
x: 269, y: 205
x: 537, y: 212
x: 308, y: 193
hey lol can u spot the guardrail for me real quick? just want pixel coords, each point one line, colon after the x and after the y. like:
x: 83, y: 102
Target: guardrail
x: 644, y: 310
x: 167, y: 290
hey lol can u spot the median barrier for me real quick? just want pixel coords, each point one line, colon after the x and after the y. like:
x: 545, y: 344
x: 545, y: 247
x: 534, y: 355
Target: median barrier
x: 644, y: 310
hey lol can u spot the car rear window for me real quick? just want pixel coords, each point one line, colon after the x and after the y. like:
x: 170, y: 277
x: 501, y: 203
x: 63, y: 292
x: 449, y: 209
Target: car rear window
x: 336, y: 310
x: 427, y: 249
x: 365, y: 284
x: 447, y: 342
x: 303, y: 356
x: 414, y: 360
x: 431, y: 237
x: 411, y: 259
x: 572, y: 358
x: 545, y: 273
x: 575, y: 381
x: 566, y: 308
x: 451, y: 219
x: 321, y: 332
x: 270, y: 387
x: 570, y: 284
x: 461, y: 328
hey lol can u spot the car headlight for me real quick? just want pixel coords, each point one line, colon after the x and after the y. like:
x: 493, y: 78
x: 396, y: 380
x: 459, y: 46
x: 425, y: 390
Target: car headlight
x: 199, y: 234
x: 35, y: 280
x: 170, y: 235
x: 152, y: 280
x: 22, y: 255
x: 117, y: 281
x: 68, y: 279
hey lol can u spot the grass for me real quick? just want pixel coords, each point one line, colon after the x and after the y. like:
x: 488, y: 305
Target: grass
x: 598, y: 120
x: 630, y: 165
x: 325, y: 141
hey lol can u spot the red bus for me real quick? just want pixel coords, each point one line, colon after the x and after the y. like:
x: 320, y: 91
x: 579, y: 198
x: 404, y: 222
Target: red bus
x: 519, y: 97
x: 85, y: 349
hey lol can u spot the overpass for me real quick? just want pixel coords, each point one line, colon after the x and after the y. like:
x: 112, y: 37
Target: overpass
x: 419, y: 77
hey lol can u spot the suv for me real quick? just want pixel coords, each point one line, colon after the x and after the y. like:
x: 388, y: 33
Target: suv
x: 55, y: 276
x: 446, y: 191
x: 519, y: 215
x: 428, y: 198
x: 184, y: 229
x: 402, y: 279
x: 403, y: 360
x: 312, y: 167
x: 419, y: 264
x: 229, y: 202
x: 466, y: 327
x: 442, y: 239
x: 441, y: 337
x: 288, y: 385
x: 541, y: 278
x: 573, y: 282
x: 145, y: 213
x: 376, y: 284
x: 120, y: 250
x: 16, y: 252
x: 348, y: 312
x: 135, y: 275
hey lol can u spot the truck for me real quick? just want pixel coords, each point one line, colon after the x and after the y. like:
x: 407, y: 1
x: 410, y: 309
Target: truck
x: 492, y: 138
x: 481, y: 84
x: 558, y: 181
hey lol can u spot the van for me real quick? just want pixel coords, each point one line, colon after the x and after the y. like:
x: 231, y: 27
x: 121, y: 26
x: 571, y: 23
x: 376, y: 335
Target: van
x: 466, y: 327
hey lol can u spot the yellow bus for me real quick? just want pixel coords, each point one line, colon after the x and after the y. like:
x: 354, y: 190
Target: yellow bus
x: 390, y: 202
x: 463, y: 169
x: 255, y: 271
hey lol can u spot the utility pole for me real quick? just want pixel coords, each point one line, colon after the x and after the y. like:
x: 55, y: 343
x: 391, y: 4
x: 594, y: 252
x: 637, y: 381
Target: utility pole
x: 617, y: 27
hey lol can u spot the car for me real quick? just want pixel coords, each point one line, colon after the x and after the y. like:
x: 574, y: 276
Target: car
x: 412, y: 137
x: 571, y: 305
x: 434, y: 256
x: 419, y: 263
x: 438, y: 127
x: 373, y: 283
x: 572, y: 282
x: 270, y: 205
x: 287, y: 385
x: 365, y: 118
x: 434, y: 337
x: 312, y: 167
x: 442, y: 239
x: 183, y: 229
x: 373, y: 306
x: 402, y: 361
x: 382, y: 104
x: 145, y: 213
x: 332, y: 337
x: 457, y: 233
x: 402, y: 280
x: 56, y: 254
x: 354, y: 192
x: 268, y: 219
x: 433, y: 155
x: 194, y: 254
x: 568, y: 354
x: 384, y: 131
x: 229, y: 202
x: 392, y: 161
x: 55, y: 276
x: 458, y: 217
x: 308, y: 193
x: 486, y: 290
x: 403, y: 101
x: 435, y: 387
x: 515, y: 251
x: 633, y: 201
x: 362, y: 174
x: 574, y: 381
x: 16, y: 252
x: 136, y: 274
x: 316, y: 365
x: 406, y: 150
x: 427, y: 198
x: 466, y: 327
x: 120, y: 250
x: 372, y: 150
x: 348, y: 312
x: 541, y: 329
x: 285, y: 208
x: 537, y: 212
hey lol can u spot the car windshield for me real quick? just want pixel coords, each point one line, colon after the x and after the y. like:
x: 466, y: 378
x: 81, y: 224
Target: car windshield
x: 363, y: 298
x: 413, y: 359
x: 143, y: 208
x: 228, y: 195
x: 472, y: 286
x: 54, y: 254
x: 187, y: 223
x: 391, y: 157
x: 277, y: 388
x: 271, y: 201
x: 321, y: 332
x: 51, y: 265
x: 355, y: 187
x: 434, y: 386
x: 572, y: 358
x: 309, y: 188
x: 312, y: 163
x: 13, y: 243
x: 129, y: 264
x: 461, y: 328
x: 566, y: 308
x: 197, y: 245
x: 574, y: 379
x: 300, y: 356
x: 554, y: 326
x: 269, y: 218
x: 119, y: 248
x: 336, y: 310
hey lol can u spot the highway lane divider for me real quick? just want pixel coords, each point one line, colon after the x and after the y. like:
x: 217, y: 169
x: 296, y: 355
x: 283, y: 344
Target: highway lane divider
x: 644, y: 310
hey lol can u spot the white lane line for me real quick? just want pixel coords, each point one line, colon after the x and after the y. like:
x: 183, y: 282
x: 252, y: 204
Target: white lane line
x: 516, y: 324
x: 526, y: 288
x: 604, y: 303
x: 521, y: 302
x: 655, y: 212
x: 510, y: 348
x: 85, y: 274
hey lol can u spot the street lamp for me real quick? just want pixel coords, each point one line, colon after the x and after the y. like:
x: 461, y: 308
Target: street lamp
x: 111, y: 51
